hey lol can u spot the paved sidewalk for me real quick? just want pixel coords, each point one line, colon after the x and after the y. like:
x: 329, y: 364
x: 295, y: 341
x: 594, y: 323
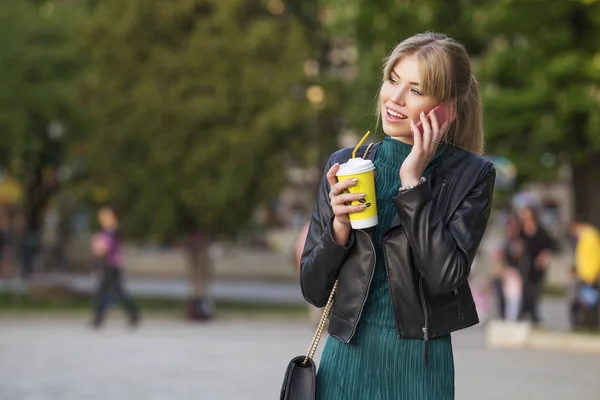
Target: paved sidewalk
x: 177, y: 288
x: 60, y: 359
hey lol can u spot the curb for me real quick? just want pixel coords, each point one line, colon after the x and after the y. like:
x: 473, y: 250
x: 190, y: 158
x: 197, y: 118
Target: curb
x: 521, y: 335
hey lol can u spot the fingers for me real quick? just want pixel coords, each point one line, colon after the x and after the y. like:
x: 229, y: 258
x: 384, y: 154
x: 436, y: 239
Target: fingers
x: 438, y: 132
x: 339, y: 187
x: 348, y: 198
x: 427, y: 133
x: 435, y: 126
x: 341, y: 199
x: 331, y: 178
x: 342, y: 204
x: 417, y: 136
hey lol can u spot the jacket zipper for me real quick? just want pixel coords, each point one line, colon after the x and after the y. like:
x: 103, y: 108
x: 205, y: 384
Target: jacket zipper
x: 370, y: 280
x: 426, y: 327
x: 441, y: 196
x: 460, y: 313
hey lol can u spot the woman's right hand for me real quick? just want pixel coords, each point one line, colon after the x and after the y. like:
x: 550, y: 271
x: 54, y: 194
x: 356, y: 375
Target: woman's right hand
x: 339, y: 200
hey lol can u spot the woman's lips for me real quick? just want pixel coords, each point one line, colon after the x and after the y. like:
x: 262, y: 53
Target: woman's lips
x: 394, y: 116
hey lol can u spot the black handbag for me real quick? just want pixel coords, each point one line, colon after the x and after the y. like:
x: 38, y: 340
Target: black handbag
x: 300, y: 380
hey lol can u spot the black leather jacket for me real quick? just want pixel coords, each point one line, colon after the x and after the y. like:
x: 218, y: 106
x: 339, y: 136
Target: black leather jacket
x: 429, y: 248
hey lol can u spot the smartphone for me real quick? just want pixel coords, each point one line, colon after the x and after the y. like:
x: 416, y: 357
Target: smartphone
x: 444, y: 112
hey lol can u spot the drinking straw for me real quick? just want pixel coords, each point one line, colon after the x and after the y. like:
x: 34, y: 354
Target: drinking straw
x: 360, y: 144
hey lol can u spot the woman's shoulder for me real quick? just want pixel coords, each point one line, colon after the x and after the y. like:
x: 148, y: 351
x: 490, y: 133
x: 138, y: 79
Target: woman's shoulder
x: 340, y: 156
x: 343, y: 155
x: 461, y: 162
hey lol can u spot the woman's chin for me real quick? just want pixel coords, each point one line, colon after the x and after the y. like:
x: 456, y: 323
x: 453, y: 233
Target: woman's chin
x: 402, y: 136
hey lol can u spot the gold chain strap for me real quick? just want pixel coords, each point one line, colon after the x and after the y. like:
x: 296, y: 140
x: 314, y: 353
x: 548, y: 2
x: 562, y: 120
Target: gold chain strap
x: 368, y: 149
x: 327, y: 311
x: 317, y: 338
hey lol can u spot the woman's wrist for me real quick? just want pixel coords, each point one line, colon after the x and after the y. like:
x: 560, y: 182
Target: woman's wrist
x: 341, y: 232
x: 410, y: 181
x: 411, y: 184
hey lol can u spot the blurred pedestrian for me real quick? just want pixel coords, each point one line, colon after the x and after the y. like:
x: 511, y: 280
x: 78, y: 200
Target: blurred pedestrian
x: 512, y: 289
x: 586, y: 296
x: 5, y: 243
x: 508, y: 280
x: 538, y: 246
x: 200, y: 307
x: 402, y: 285
x: 106, y: 246
x: 501, y: 260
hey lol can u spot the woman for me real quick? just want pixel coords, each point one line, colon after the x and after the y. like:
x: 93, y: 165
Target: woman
x: 507, y: 280
x: 538, y: 246
x: 106, y: 246
x: 402, y: 286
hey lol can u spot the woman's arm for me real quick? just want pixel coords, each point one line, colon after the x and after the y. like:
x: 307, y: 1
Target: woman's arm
x: 444, y: 253
x: 322, y: 256
x: 99, y: 245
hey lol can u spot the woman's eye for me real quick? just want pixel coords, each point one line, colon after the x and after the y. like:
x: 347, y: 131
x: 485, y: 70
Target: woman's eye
x: 392, y: 80
x: 415, y: 91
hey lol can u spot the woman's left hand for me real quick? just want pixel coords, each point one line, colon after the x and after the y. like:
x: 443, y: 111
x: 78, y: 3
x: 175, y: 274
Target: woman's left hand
x: 424, y: 147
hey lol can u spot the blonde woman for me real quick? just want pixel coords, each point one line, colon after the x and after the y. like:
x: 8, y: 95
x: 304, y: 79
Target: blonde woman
x: 403, y: 285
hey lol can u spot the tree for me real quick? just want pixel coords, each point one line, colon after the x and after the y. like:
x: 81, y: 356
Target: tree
x: 195, y: 107
x: 537, y: 62
x: 36, y: 113
x: 541, y: 71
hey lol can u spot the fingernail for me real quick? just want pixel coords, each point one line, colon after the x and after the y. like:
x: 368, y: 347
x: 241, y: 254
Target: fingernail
x: 422, y: 114
x: 362, y: 195
x: 354, y: 180
x: 362, y: 206
x: 337, y: 164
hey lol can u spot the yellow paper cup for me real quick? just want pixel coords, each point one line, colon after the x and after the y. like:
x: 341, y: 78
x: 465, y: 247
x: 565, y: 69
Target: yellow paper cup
x: 363, y: 170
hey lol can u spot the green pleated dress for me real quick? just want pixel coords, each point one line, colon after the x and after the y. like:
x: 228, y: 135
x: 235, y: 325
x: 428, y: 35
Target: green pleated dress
x: 377, y: 364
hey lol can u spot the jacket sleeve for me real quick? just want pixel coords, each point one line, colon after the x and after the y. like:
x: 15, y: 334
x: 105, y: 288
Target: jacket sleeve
x: 322, y: 256
x: 444, y: 253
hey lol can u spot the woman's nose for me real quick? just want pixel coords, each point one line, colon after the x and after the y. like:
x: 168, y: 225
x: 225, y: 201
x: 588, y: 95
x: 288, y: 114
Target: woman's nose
x: 398, y: 96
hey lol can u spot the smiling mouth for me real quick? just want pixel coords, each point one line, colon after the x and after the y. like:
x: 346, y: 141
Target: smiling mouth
x: 395, y: 114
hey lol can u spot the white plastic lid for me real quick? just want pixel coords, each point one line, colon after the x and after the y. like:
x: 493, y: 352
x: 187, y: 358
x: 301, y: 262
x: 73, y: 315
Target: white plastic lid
x: 355, y: 166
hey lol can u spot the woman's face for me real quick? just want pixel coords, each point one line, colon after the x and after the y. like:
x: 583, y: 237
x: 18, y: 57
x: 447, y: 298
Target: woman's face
x: 526, y: 216
x: 106, y: 218
x: 402, y: 99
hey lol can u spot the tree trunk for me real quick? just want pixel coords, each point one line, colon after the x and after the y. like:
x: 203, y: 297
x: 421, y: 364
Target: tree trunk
x: 586, y: 187
x: 200, y: 267
x: 38, y: 192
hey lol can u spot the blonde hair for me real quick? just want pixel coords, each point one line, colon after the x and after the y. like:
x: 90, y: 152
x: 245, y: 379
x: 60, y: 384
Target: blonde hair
x: 446, y: 75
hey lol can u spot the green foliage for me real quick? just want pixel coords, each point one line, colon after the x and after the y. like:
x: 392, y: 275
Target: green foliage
x: 194, y: 106
x: 537, y: 62
x: 38, y: 66
x: 541, y: 71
